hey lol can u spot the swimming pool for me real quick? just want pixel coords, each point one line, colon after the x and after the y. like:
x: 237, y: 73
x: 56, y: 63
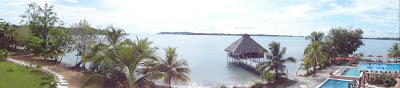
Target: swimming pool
x: 334, y: 83
x: 379, y: 66
x: 355, y: 72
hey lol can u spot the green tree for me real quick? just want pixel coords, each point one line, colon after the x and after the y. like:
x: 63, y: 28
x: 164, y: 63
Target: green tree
x: 345, y: 40
x: 59, y: 42
x: 7, y: 34
x: 329, y: 49
x: 305, y: 65
x: 268, y: 77
x: 114, y: 35
x: 173, y: 68
x: 120, y: 64
x: 313, y: 55
x: 276, y: 60
x: 316, y: 36
x: 394, y: 51
x: 4, y: 54
x: 22, y: 34
x: 83, y: 35
x: 41, y: 20
x: 34, y: 45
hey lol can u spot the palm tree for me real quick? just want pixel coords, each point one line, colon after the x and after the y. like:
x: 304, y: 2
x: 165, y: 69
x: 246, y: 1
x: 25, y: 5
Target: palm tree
x: 314, y: 55
x: 114, y: 35
x: 329, y: 49
x: 175, y: 69
x: 276, y: 60
x: 316, y: 36
x: 394, y: 51
x: 305, y: 66
x: 53, y: 50
x: 124, y: 61
x: 268, y: 76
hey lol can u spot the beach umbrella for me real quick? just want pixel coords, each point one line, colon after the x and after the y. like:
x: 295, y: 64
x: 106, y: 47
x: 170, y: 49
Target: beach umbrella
x: 379, y: 57
x: 338, y: 58
x: 388, y: 57
x: 370, y: 56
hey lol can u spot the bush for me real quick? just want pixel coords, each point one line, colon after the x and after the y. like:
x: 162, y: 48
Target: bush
x: 386, y: 81
x: 12, y: 68
x: 363, y: 71
x: 257, y: 84
x: 4, y: 54
x: 330, y: 72
x: 38, y: 66
x: 222, y: 86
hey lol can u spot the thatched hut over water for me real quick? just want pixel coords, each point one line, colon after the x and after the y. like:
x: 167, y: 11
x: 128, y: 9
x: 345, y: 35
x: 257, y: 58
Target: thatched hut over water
x: 245, y: 48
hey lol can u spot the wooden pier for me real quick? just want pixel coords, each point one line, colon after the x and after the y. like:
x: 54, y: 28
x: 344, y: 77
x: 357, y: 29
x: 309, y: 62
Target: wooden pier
x: 247, y: 64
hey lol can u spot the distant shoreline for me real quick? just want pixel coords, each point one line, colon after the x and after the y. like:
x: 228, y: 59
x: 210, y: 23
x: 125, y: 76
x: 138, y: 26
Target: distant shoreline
x: 223, y: 34
x: 226, y: 34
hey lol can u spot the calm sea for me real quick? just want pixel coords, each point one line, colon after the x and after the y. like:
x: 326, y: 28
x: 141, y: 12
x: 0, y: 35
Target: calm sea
x: 207, y: 59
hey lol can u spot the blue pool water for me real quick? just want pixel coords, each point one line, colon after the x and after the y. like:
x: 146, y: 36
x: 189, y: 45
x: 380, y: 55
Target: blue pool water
x: 352, y: 72
x: 332, y: 83
x: 379, y: 66
x: 371, y: 66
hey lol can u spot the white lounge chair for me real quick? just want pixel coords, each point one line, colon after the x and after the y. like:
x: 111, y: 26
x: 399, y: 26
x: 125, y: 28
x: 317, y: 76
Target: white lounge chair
x: 303, y: 86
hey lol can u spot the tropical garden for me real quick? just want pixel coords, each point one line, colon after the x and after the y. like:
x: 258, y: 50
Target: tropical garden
x: 116, y: 61
x: 340, y: 42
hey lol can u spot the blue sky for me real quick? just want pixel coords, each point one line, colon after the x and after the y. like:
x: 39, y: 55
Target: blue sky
x: 378, y: 18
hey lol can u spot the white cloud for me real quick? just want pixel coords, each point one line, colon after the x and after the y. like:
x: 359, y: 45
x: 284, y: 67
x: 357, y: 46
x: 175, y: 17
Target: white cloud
x: 73, y: 1
x: 227, y: 16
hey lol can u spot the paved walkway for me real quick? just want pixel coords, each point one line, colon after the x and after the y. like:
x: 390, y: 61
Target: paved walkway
x: 310, y: 81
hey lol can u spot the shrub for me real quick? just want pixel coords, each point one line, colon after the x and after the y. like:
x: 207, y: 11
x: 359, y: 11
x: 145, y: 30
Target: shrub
x: 222, y: 86
x: 257, y: 84
x: 363, y: 71
x: 330, y: 72
x: 26, y: 66
x: 386, y: 81
x: 4, y: 54
x: 38, y: 66
x: 268, y: 77
x: 12, y: 68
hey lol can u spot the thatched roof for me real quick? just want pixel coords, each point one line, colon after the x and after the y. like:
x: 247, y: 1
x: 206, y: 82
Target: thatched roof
x: 245, y: 45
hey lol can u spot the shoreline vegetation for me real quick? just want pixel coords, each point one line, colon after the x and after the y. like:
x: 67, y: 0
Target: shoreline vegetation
x: 228, y: 34
x: 225, y: 34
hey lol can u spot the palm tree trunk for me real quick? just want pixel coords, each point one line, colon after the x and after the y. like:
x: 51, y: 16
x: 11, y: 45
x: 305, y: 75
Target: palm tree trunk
x: 78, y: 64
x: 169, y: 83
x: 315, y: 66
x: 276, y: 73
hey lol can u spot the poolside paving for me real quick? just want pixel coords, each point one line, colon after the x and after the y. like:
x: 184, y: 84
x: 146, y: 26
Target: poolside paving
x: 312, y: 82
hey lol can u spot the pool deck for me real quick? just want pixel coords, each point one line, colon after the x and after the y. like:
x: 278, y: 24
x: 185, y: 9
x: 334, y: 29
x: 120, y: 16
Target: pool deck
x: 343, y: 77
x: 312, y: 82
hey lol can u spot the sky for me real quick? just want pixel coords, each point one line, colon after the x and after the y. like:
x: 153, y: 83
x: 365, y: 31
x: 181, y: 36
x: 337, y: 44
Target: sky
x: 377, y: 18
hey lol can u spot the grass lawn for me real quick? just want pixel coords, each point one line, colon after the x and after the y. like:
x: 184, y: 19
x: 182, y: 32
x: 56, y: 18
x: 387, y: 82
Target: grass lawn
x: 21, y: 77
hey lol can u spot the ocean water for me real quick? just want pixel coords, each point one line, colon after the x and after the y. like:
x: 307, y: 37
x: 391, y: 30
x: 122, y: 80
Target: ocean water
x: 207, y: 59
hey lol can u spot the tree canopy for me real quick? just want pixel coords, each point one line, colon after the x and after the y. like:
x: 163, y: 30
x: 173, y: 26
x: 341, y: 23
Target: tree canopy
x: 345, y: 40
